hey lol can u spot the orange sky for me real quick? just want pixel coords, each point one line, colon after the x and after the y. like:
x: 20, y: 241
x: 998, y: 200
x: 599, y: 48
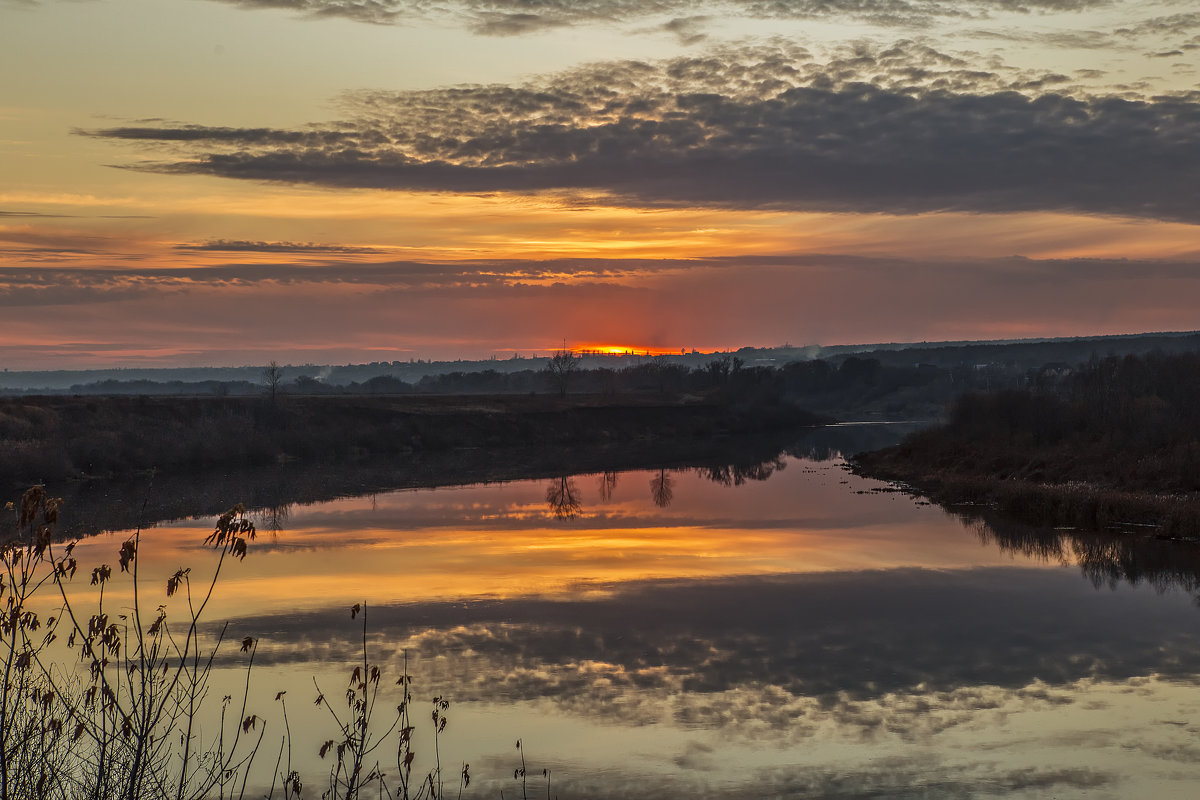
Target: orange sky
x: 219, y: 183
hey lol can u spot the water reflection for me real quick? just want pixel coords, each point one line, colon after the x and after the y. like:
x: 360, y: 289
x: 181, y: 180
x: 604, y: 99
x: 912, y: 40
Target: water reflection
x: 1064, y: 689
x: 562, y: 495
x: 765, y: 624
x: 272, y: 519
x: 1106, y: 559
x: 608, y: 485
x: 737, y: 474
x: 837, y: 639
x: 662, y: 489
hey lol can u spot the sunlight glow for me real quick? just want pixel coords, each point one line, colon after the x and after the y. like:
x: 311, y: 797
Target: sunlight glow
x: 621, y: 350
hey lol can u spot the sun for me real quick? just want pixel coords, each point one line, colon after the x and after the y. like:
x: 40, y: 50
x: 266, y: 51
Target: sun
x: 620, y: 350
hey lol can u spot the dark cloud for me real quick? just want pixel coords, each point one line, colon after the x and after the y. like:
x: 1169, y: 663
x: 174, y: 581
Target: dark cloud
x: 903, y: 129
x: 236, y: 136
x: 1170, y: 25
x: 44, y: 255
x: 235, y: 246
x: 74, y: 285
x: 489, y: 23
x: 689, y: 30
x: 43, y: 215
x: 1075, y: 40
x: 515, y: 17
x: 1065, y: 39
x: 1172, y: 34
x: 65, y: 285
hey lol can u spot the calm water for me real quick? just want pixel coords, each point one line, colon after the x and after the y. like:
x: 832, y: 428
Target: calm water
x: 783, y: 630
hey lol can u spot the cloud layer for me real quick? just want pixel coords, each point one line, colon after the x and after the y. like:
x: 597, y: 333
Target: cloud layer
x: 296, y: 248
x: 904, y: 129
x: 514, y: 17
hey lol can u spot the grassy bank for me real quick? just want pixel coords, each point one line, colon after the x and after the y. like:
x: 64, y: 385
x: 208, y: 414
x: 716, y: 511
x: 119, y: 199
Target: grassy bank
x: 58, y: 439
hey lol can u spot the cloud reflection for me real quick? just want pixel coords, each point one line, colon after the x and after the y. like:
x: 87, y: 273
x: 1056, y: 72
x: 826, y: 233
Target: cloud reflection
x: 912, y: 651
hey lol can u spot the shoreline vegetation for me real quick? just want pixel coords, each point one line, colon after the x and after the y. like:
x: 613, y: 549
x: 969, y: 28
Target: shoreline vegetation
x: 1112, y: 445
x: 144, y: 499
x: 59, y: 440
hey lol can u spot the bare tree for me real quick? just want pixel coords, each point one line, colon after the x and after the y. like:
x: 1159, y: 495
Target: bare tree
x: 272, y: 377
x: 562, y: 368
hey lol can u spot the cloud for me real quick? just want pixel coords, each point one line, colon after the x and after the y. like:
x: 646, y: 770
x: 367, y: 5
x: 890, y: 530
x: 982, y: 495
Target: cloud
x: 516, y: 17
x: 904, y: 129
x: 237, y: 246
x: 1170, y: 25
x: 72, y: 285
x: 491, y: 23
x: 32, y: 215
x: 689, y: 30
x: 43, y: 215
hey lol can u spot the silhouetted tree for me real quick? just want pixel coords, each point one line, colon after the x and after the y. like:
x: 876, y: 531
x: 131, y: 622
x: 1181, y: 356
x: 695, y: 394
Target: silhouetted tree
x: 272, y: 378
x: 719, y: 368
x: 562, y: 367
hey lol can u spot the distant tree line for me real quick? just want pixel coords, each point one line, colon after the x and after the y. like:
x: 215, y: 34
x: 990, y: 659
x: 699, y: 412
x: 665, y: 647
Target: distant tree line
x: 848, y: 387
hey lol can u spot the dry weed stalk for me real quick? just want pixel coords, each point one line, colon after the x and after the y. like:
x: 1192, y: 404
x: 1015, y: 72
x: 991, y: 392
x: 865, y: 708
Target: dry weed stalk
x: 126, y: 723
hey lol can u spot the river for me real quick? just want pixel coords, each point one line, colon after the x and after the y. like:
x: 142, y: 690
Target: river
x: 780, y: 628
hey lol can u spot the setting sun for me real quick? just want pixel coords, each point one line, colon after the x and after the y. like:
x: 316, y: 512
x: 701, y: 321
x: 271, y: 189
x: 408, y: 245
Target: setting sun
x: 621, y: 350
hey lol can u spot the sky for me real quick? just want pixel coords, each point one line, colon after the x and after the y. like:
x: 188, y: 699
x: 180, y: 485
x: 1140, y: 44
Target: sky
x: 229, y: 182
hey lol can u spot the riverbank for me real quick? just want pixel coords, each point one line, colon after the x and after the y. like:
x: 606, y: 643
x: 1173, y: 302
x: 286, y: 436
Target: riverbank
x: 1070, y: 504
x: 58, y: 440
x: 1117, y: 447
